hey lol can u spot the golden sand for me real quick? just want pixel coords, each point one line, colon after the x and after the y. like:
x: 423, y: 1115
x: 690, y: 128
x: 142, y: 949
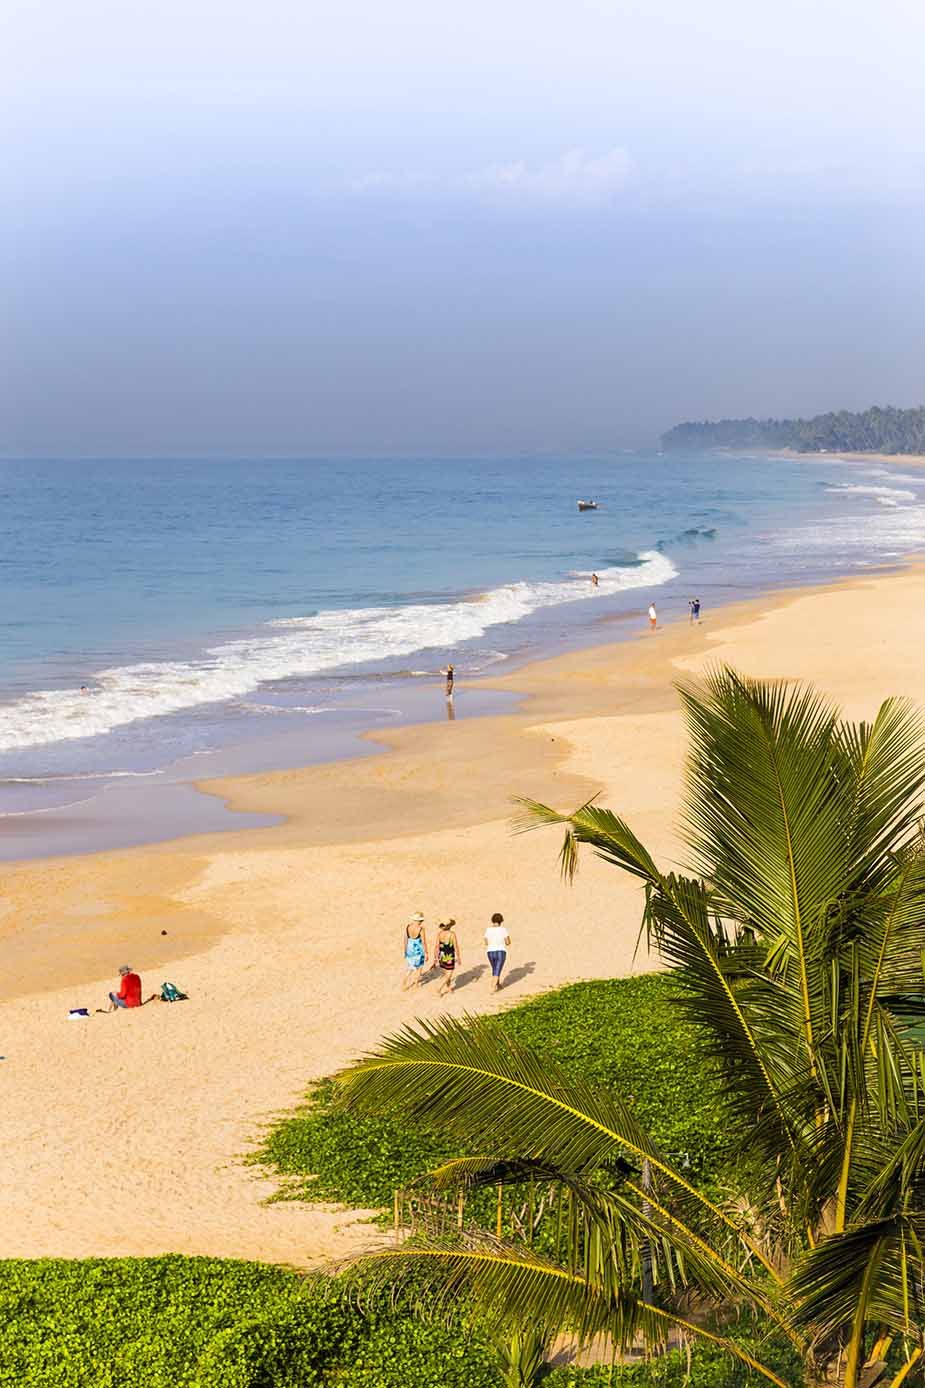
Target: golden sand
x: 121, y: 1134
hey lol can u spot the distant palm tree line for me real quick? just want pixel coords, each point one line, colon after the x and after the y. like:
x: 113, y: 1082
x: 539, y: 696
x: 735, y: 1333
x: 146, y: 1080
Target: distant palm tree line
x: 882, y: 429
x: 796, y: 938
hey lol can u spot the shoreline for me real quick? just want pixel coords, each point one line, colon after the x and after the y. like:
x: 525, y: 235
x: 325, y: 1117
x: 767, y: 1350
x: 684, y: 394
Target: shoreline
x: 401, y: 783
x: 288, y: 939
x: 838, y: 455
x: 564, y: 685
x: 163, y: 803
x: 197, y: 806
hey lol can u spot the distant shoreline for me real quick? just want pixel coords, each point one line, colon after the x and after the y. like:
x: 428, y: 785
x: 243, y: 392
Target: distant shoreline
x: 847, y: 456
x: 830, y: 456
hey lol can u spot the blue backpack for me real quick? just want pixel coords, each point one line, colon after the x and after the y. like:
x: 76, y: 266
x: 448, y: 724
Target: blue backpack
x: 171, y: 993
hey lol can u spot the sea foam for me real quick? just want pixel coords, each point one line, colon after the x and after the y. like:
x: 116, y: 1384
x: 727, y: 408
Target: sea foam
x: 887, y: 496
x: 296, y: 646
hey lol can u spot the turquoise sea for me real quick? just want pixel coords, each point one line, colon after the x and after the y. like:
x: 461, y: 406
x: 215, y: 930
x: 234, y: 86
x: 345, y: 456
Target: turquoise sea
x: 233, y: 615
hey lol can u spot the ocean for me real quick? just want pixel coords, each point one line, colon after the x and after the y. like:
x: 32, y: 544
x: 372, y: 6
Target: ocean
x: 165, y: 620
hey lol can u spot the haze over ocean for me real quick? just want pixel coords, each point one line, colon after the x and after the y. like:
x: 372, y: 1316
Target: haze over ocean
x: 531, y: 227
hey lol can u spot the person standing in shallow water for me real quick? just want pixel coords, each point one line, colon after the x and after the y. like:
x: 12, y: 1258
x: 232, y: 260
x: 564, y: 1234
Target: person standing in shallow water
x: 653, y: 617
x: 450, y: 677
x: 497, y: 941
x: 694, y: 606
x: 447, y: 955
x: 415, y: 950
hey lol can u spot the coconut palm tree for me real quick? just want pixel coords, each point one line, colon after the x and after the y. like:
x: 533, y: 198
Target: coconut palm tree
x: 797, y: 941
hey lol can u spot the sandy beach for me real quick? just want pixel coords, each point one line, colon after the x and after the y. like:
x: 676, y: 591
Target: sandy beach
x: 846, y: 456
x: 122, y: 1134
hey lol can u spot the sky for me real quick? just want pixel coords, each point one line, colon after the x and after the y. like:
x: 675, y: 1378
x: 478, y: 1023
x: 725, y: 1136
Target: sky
x: 297, y: 227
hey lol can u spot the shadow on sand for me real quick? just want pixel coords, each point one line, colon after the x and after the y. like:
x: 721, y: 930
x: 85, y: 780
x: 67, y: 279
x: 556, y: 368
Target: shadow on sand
x: 515, y: 975
x: 474, y: 974
x: 470, y: 976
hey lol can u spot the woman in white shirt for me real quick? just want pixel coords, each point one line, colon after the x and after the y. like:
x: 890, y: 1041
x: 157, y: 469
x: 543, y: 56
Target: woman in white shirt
x: 497, y: 939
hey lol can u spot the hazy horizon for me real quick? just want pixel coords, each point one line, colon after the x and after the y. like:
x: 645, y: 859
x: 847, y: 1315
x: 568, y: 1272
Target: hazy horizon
x: 331, y: 229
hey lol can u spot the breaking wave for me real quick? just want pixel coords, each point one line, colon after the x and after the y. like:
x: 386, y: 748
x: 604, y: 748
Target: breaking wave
x: 886, y: 496
x: 296, y: 646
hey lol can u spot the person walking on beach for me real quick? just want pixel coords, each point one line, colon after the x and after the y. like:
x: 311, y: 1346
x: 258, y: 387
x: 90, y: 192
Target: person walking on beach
x: 447, y: 955
x: 497, y: 941
x: 653, y: 617
x: 450, y: 676
x: 415, y: 950
x: 694, y: 606
x: 129, y: 994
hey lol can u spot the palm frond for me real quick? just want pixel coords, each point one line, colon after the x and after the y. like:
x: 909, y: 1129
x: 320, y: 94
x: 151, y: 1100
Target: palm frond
x: 876, y: 1266
x: 628, y: 1218
x: 739, y: 1011
x: 899, y: 1182
x: 766, y: 819
x: 471, y: 1079
x: 887, y: 762
x: 609, y: 836
x: 511, y: 1286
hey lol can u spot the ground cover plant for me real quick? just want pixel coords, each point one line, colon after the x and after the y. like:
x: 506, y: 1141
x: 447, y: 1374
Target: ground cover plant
x: 796, y: 940
x: 213, y: 1323
x: 626, y: 1031
x: 177, y: 1322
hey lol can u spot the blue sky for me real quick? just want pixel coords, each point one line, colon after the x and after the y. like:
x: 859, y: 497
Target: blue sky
x: 294, y: 228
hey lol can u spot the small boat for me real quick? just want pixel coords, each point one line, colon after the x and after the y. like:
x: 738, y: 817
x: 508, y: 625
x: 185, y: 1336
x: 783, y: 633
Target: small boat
x: 587, y: 505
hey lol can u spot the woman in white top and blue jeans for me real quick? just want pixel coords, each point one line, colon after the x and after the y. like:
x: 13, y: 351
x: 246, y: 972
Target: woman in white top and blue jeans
x: 497, y: 939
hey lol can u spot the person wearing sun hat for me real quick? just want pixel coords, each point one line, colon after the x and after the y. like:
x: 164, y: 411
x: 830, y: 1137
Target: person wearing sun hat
x: 129, y: 994
x: 415, y: 950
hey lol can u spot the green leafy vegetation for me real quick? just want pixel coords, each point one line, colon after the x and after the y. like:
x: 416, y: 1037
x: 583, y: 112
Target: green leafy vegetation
x: 626, y: 1032
x: 208, y: 1323
x: 177, y: 1322
x: 709, y: 1367
x: 882, y: 429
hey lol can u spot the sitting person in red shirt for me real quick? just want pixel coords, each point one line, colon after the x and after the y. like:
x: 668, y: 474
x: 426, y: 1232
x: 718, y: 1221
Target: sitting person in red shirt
x: 129, y: 994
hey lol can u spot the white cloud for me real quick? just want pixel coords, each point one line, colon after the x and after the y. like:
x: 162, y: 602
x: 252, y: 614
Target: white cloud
x: 574, y: 177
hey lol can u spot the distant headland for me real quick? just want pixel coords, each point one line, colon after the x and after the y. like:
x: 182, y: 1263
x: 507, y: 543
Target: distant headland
x: 881, y: 429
